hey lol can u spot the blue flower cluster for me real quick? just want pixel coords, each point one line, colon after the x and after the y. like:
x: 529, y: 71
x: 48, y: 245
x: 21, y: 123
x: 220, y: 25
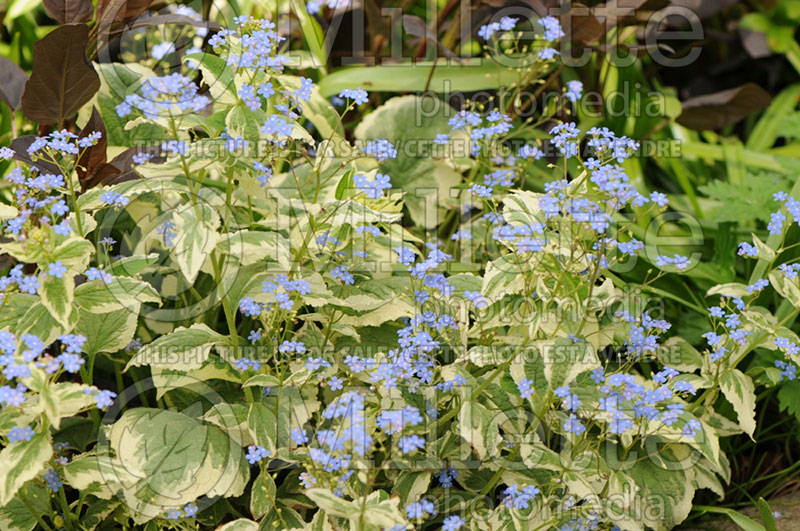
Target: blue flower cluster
x: 20, y: 356
x: 165, y: 96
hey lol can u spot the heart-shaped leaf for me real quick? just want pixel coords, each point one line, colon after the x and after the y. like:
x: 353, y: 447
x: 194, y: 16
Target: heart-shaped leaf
x: 70, y: 11
x: 62, y: 79
x: 12, y: 83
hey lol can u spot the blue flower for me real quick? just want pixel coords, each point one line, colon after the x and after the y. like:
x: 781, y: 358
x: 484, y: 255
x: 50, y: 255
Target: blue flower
x: 420, y: 509
x: 381, y: 149
x: 17, y: 434
x: 358, y: 95
x: 335, y: 383
x: 452, y: 523
x: 53, y: 481
x: 552, y: 28
x: 56, y: 269
x: 256, y: 453
x: 373, y: 188
x: 411, y: 443
x: 573, y: 425
x: 525, y: 387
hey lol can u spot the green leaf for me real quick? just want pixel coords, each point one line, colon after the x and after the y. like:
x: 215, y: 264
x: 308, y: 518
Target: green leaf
x: 382, y: 511
x: 319, y: 111
x: 121, y: 293
x: 176, y: 459
x: 264, y: 425
x: 746, y: 201
x: 14, y: 308
x: 132, y: 265
x: 664, y: 495
x: 250, y: 247
x: 16, y: 516
x: 62, y: 400
x: 764, y: 251
x: 241, y: 122
x: 98, y: 475
x: 38, y: 320
x: 240, y: 524
x: 739, y: 391
x: 57, y: 296
x: 261, y: 380
x: 766, y: 515
x: 218, y: 76
x: 786, y: 287
x: 21, y: 462
x: 744, y: 522
x: 471, y: 75
x: 74, y: 253
x: 732, y: 289
x: 565, y: 359
x: 183, y: 349
x: 107, y: 332
x: 411, y: 485
x: 332, y: 504
x: 262, y: 495
x: 196, y: 227
x: 427, y: 181
x: 789, y: 398
x: 50, y: 406
x: 479, y: 428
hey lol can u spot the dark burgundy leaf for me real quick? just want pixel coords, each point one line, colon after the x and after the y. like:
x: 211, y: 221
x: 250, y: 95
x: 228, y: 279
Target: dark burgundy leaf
x: 12, y: 83
x: 62, y: 79
x: 70, y: 11
x: 414, y: 25
x: 713, y: 111
x: 95, y: 156
x: 110, y: 12
x: 120, y: 169
x: 20, y: 146
x: 704, y: 9
x: 755, y: 43
x: 584, y: 27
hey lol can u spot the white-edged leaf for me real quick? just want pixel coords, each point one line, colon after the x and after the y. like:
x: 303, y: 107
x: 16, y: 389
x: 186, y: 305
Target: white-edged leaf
x: 122, y: 292
x: 739, y: 391
x: 20, y: 462
x: 57, y: 296
x: 197, y: 236
x: 107, y: 332
x: 183, y: 349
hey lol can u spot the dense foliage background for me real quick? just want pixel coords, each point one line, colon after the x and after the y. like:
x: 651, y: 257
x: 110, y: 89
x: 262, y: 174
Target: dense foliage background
x: 398, y: 265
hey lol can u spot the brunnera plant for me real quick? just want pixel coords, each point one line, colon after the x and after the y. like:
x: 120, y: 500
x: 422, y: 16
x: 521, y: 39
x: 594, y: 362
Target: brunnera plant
x: 391, y: 328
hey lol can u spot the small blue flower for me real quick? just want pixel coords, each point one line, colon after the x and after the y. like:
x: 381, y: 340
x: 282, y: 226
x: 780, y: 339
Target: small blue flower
x: 452, y: 523
x: 190, y: 510
x: 17, y: 434
x: 56, y: 269
x: 256, y: 453
x: 525, y: 387
x: 53, y: 481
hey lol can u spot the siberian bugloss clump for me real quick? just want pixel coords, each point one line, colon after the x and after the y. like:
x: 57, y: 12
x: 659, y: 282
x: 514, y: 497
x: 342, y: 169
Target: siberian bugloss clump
x: 331, y: 329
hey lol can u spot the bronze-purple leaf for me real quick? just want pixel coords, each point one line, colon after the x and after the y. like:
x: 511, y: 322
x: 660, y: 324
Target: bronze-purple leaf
x: 120, y: 169
x: 20, y: 146
x: 62, y: 79
x: 110, y: 12
x: 12, y: 83
x: 70, y: 11
x: 714, y: 111
x: 94, y: 156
